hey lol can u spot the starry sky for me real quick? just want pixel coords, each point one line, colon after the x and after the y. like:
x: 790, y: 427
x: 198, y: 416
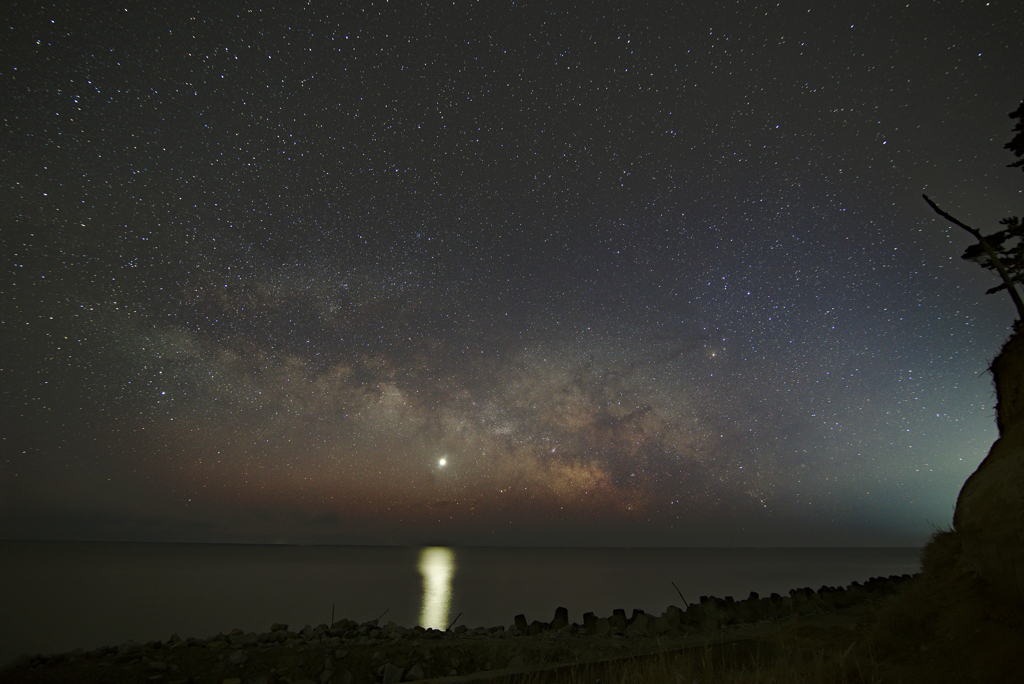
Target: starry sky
x: 499, y: 272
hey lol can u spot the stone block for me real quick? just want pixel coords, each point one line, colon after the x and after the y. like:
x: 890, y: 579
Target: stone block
x: 561, y: 618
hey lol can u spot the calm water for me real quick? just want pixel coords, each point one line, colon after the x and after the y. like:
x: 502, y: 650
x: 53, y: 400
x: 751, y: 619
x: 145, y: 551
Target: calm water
x: 57, y: 596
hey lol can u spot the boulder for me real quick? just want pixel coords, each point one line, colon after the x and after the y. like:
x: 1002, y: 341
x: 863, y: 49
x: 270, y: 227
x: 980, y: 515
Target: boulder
x: 618, y: 621
x: 249, y: 639
x: 664, y: 625
x: 536, y: 627
x: 638, y: 626
x: 392, y: 674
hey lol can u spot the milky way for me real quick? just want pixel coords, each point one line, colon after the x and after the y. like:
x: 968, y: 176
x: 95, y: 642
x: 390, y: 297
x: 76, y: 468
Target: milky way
x: 639, y: 276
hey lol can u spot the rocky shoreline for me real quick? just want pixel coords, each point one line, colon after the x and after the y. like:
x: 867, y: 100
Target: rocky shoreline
x: 351, y: 653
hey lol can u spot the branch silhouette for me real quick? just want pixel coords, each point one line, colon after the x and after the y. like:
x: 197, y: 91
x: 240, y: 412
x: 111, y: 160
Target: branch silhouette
x: 993, y: 257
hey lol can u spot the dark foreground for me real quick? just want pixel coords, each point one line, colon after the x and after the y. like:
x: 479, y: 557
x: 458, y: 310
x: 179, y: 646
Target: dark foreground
x: 943, y: 625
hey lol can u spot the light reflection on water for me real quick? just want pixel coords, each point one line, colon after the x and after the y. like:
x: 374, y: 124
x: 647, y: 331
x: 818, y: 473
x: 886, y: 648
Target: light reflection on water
x: 437, y: 565
x: 212, y: 588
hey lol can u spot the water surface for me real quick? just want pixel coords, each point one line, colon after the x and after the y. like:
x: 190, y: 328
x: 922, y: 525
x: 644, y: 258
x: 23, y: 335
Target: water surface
x: 57, y: 596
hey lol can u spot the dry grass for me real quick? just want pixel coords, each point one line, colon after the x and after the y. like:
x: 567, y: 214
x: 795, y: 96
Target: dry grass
x: 945, y: 626
x: 780, y: 660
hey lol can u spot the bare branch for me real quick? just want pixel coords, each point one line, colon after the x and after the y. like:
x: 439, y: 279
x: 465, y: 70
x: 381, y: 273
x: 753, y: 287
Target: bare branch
x: 993, y: 257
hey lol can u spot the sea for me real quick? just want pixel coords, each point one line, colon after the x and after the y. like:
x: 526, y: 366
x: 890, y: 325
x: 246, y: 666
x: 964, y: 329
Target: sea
x: 59, y: 596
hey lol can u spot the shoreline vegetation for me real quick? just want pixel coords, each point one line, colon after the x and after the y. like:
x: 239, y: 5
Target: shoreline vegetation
x: 942, y: 625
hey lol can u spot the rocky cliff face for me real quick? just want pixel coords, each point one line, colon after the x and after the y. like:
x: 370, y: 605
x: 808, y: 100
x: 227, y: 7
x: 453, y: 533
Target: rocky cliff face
x: 990, y: 509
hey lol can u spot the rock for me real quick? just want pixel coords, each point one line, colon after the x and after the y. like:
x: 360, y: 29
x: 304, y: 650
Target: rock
x: 521, y: 624
x: 618, y: 621
x: 232, y: 680
x: 158, y: 665
x: 638, y: 626
x: 244, y: 639
x: 536, y: 627
x: 515, y: 663
x: 742, y: 611
x: 661, y: 625
x: 392, y: 674
x: 217, y: 645
x: 712, y: 607
x: 129, y: 647
x: 694, y: 614
x: 989, y: 515
x: 590, y: 623
x: 855, y: 593
x: 238, y: 657
x: 278, y: 627
x: 325, y: 676
x: 561, y: 618
x: 414, y: 674
x: 604, y: 627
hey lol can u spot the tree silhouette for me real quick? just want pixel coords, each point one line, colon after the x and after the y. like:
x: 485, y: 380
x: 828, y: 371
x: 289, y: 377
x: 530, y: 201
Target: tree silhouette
x: 1003, y: 250
x: 1017, y: 144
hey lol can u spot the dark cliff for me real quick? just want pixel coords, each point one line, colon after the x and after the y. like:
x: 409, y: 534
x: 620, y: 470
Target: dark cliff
x: 989, y: 513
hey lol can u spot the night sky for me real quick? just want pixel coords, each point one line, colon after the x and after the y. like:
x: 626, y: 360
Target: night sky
x: 499, y: 273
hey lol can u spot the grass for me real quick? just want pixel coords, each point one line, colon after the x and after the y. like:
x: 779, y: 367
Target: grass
x: 780, y: 660
x: 946, y: 625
